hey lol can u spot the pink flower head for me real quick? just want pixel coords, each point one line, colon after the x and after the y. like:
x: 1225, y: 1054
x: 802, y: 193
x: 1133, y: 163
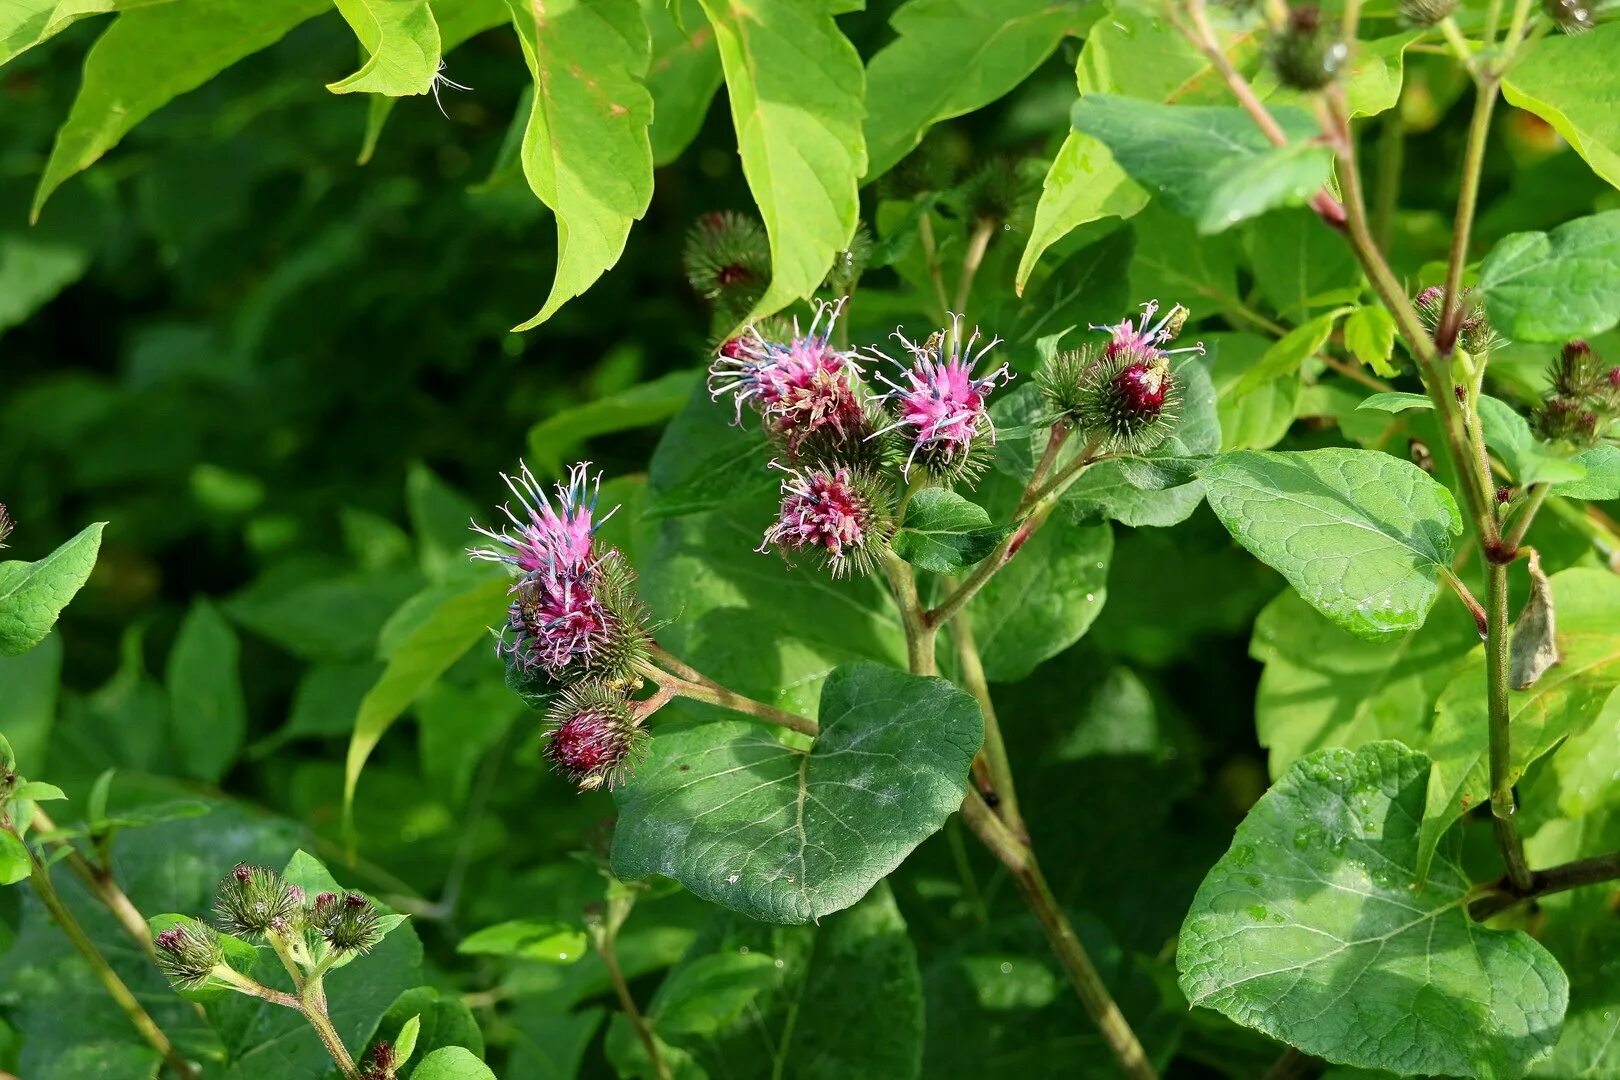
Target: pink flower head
x: 831, y: 512
x: 1147, y: 340
x: 798, y: 386
x: 554, y: 620
x: 939, y: 402
x: 554, y: 538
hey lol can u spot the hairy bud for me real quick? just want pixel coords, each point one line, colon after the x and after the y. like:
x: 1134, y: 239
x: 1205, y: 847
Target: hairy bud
x: 1475, y: 334
x: 1307, y: 54
x: 349, y: 923
x: 187, y: 952
x: 252, y: 900
x: 593, y: 736
x: 728, y: 260
x: 849, y: 264
x: 380, y: 1062
x: 1583, y: 396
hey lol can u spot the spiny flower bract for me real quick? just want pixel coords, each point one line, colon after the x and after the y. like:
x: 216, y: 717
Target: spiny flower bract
x: 347, y: 923
x: 187, y: 953
x: 593, y: 737
x: 837, y: 513
x: 937, y: 404
x: 252, y: 900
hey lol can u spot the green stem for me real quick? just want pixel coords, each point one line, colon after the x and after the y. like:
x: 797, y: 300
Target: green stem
x: 1479, y: 130
x: 102, y: 886
x: 1523, y: 518
x: 314, y: 1009
x: 1501, y: 755
x: 627, y: 1002
x: 995, y: 748
x: 920, y: 633
x: 925, y: 234
x: 978, y: 243
x: 1560, y: 878
x: 712, y: 693
x: 40, y: 878
x: 1088, y: 984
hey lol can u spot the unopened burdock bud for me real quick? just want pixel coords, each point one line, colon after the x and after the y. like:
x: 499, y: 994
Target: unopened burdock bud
x: 253, y: 900
x: 593, y: 736
x: 187, y: 953
x: 1307, y: 53
x: 1426, y: 12
x: 349, y: 923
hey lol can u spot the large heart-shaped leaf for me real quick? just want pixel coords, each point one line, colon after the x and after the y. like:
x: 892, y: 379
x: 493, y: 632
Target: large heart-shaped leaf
x: 1556, y: 285
x: 788, y: 835
x: 1361, y: 534
x: 1571, y: 82
x: 1316, y: 929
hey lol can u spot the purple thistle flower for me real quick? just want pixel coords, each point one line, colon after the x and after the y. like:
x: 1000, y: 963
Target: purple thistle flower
x: 800, y: 386
x: 1146, y: 340
x: 556, y: 616
x: 939, y: 402
x: 836, y: 513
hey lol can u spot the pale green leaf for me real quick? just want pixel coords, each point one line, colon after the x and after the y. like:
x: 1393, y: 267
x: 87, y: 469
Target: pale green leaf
x: 150, y: 56
x: 15, y: 864
x: 797, y: 94
x: 1567, y: 698
x: 452, y: 1063
x: 26, y: 23
x: 1558, y: 285
x: 1528, y: 459
x: 1369, y: 334
x: 402, y: 42
x: 32, y: 595
x: 528, y: 939
x: 586, y: 151
x: 1256, y: 416
x: 951, y: 57
x: 1602, y: 480
x: 1360, y: 534
x: 1318, y: 929
x: 1573, y: 82
x: 1392, y: 402
x: 788, y: 835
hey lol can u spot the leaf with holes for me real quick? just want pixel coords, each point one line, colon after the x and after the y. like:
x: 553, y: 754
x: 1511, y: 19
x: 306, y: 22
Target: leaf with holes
x: 1362, y: 535
x: 1316, y: 928
x: 788, y: 835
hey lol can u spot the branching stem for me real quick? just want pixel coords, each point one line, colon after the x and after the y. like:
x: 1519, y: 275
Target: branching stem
x: 692, y: 684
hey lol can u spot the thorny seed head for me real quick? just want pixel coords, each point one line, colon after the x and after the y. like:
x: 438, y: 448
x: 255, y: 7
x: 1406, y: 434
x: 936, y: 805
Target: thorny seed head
x: 187, y: 952
x: 593, y: 736
x: 938, y: 404
x: 252, y: 900
x: 1583, y: 396
x: 839, y: 514
x: 1307, y: 54
x: 1123, y: 394
x: 350, y: 922
x: 727, y: 259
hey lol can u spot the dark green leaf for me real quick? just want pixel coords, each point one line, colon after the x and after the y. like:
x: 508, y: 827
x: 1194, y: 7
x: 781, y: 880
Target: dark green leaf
x: 1558, y: 285
x: 944, y: 533
x: 1362, y: 535
x: 1318, y: 929
x: 788, y: 835
x: 206, y: 710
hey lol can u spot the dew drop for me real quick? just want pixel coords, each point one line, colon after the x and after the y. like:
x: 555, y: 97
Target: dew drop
x: 1006, y: 968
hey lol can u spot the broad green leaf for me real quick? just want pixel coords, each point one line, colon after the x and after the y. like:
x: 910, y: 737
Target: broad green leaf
x: 454, y: 625
x: 1587, y: 765
x: 1391, y: 402
x: 1159, y: 488
x: 15, y: 864
x: 643, y: 405
x: 1288, y: 355
x: 683, y: 77
x: 32, y: 595
x: 439, y: 1020
x: 206, y: 710
x: 944, y: 533
x: 586, y: 152
x: 855, y: 972
x: 1558, y: 285
x: 797, y: 98
x: 38, y: 791
x: 1570, y: 82
x: 1372, y: 81
x: 1369, y: 334
x: 1360, y: 534
x: 530, y: 939
x: 1299, y: 265
x: 148, y: 57
x: 711, y: 992
x: 401, y: 41
x: 1318, y: 929
x: 26, y: 23
x: 1209, y: 163
x: 951, y: 57
x: 1046, y: 597
x: 1602, y: 480
x: 1255, y: 413
x: 1528, y: 459
x: 1084, y: 184
x: 1562, y: 703
x: 452, y: 1063
x: 1325, y: 687
x: 788, y: 835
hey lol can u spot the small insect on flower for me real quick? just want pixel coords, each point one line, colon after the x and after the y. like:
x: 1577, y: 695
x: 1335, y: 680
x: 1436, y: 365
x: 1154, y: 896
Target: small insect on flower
x: 593, y: 736
x: 187, y: 953
x: 839, y: 514
x: 802, y: 387
x: 938, y: 404
x: 573, y: 607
